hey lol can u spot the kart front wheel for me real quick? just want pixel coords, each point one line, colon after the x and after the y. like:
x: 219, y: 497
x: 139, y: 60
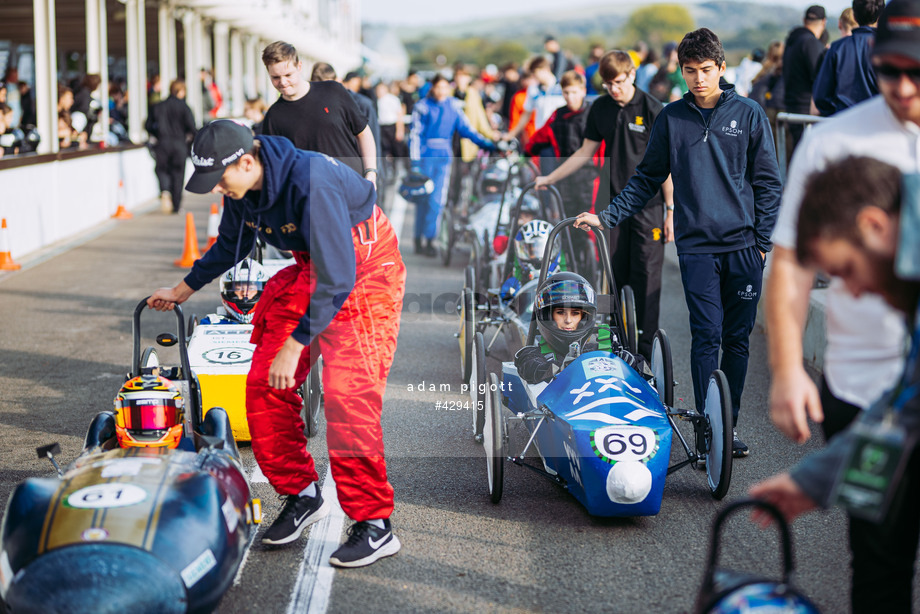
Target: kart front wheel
x: 630, y: 325
x: 717, y: 410
x: 312, y: 392
x: 493, y: 439
x: 478, y: 385
x: 448, y: 235
x: 662, y: 367
x: 149, y: 359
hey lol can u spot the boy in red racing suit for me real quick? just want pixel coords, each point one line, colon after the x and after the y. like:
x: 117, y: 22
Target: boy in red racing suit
x: 342, y: 299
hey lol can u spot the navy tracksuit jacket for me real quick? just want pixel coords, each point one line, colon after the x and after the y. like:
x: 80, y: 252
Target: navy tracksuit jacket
x: 726, y: 199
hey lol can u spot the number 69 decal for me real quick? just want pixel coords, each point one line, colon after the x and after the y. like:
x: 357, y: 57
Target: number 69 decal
x: 624, y: 443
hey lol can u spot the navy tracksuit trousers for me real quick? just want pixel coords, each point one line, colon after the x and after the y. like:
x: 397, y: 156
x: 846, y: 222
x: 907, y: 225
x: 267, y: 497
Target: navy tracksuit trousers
x: 722, y: 291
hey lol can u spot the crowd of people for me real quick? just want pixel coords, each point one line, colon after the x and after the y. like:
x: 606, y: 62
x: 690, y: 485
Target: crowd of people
x: 685, y: 151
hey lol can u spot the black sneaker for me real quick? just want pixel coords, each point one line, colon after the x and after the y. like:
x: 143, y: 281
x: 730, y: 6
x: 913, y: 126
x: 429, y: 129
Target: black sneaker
x: 739, y: 449
x: 366, y: 543
x: 297, y: 514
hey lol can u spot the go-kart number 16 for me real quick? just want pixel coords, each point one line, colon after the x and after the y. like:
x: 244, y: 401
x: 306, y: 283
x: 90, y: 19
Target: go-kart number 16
x: 625, y: 443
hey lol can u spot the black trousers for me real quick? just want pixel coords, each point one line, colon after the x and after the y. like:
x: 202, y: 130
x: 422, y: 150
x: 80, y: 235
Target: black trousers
x: 637, y: 255
x: 170, y: 168
x: 883, y: 555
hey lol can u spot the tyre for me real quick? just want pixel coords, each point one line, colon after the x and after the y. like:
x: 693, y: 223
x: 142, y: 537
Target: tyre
x: 662, y: 367
x: 447, y: 235
x: 312, y: 393
x: 467, y: 329
x: 478, y: 385
x: 717, y: 410
x: 493, y: 440
x: 149, y: 358
x: 628, y: 311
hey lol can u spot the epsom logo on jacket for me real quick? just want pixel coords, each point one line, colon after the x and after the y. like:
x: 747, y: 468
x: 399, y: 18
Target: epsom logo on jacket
x: 732, y: 129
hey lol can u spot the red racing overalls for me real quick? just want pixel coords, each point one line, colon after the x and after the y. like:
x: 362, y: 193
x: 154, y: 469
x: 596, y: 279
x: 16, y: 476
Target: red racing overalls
x: 357, y: 349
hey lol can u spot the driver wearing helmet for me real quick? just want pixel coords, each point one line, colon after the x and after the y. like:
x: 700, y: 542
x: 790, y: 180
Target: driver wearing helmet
x: 149, y: 413
x: 240, y: 290
x: 566, y: 312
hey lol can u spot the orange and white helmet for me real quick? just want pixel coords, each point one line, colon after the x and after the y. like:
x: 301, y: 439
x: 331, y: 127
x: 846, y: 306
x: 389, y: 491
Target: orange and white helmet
x: 149, y: 413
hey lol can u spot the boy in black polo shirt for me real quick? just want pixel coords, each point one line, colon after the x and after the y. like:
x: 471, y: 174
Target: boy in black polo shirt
x: 719, y: 150
x: 622, y: 121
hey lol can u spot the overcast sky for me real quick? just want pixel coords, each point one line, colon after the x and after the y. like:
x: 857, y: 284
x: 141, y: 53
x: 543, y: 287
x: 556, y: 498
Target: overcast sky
x: 418, y: 12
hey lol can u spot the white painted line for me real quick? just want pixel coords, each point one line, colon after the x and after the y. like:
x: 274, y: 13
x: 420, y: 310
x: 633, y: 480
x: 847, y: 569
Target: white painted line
x: 314, y: 578
x: 257, y: 476
x: 398, y: 214
x: 239, y: 572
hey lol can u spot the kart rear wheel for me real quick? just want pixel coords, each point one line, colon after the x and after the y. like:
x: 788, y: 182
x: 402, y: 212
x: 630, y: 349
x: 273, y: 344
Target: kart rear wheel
x: 718, y: 412
x: 628, y: 312
x: 493, y: 434
x: 312, y: 392
x: 662, y: 367
x: 478, y: 385
x: 467, y: 330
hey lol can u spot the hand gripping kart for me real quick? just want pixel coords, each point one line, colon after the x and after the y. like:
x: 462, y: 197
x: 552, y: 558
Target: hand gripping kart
x: 482, y: 304
x: 601, y: 430
x: 132, y: 529
x: 729, y: 592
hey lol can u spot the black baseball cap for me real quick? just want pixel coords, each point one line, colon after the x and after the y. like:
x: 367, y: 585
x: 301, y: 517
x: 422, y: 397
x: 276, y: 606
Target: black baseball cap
x: 899, y: 30
x: 815, y: 12
x: 217, y: 146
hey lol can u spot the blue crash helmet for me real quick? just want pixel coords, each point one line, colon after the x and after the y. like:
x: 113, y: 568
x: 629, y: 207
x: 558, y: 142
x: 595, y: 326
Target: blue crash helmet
x: 565, y: 290
x: 416, y: 186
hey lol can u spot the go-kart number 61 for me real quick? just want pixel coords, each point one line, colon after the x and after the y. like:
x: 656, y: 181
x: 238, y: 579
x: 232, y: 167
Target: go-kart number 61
x: 625, y: 443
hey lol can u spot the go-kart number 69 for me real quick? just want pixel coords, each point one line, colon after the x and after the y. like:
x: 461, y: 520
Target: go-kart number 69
x: 625, y: 443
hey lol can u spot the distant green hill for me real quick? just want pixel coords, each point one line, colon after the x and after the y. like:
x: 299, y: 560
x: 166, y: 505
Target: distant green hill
x: 742, y: 26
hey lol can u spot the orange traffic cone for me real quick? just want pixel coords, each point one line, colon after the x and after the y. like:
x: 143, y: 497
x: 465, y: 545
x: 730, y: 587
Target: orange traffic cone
x: 121, y: 213
x: 190, y: 252
x: 213, y: 225
x: 6, y: 260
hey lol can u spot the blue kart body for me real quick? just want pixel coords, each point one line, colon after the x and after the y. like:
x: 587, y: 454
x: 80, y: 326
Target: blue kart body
x: 606, y: 433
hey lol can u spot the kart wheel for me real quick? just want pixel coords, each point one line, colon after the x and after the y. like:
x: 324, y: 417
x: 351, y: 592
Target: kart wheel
x: 447, y: 235
x: 192, y: 323
x: 478, y: 384
x: 718, y: 412
x: 628, y: 311
x: 493, y: 439
x: 312, y: 393
x: 149, y: 358
x: 662, y: 367
x: 467, y: 329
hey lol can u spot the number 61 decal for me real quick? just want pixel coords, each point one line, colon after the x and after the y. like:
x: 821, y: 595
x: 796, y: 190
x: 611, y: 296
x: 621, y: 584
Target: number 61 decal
x: 624, y: 443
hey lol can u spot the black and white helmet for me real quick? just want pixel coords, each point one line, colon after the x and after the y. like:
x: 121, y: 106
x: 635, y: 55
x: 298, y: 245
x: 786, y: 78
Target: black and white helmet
x: 240, y: 289
x: 530, y: 242
x: 565, y: 290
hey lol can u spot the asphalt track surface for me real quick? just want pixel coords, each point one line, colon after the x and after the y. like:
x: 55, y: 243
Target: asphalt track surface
x: 66, y: 346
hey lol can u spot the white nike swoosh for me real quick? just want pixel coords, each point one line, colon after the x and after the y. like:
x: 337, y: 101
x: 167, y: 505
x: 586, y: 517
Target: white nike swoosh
x: 302, y: 518
x: 379, y: 542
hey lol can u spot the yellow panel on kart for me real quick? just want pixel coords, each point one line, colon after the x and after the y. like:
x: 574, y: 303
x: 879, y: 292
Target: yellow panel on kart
x: 220, y: 355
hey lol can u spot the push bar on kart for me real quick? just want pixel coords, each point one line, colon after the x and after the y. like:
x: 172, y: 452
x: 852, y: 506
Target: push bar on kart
x: 604, y: 253
x: 196, y: 410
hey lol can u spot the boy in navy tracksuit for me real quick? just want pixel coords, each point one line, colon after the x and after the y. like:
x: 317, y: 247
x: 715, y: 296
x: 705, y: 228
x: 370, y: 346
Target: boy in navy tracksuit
x: 719, y: 150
